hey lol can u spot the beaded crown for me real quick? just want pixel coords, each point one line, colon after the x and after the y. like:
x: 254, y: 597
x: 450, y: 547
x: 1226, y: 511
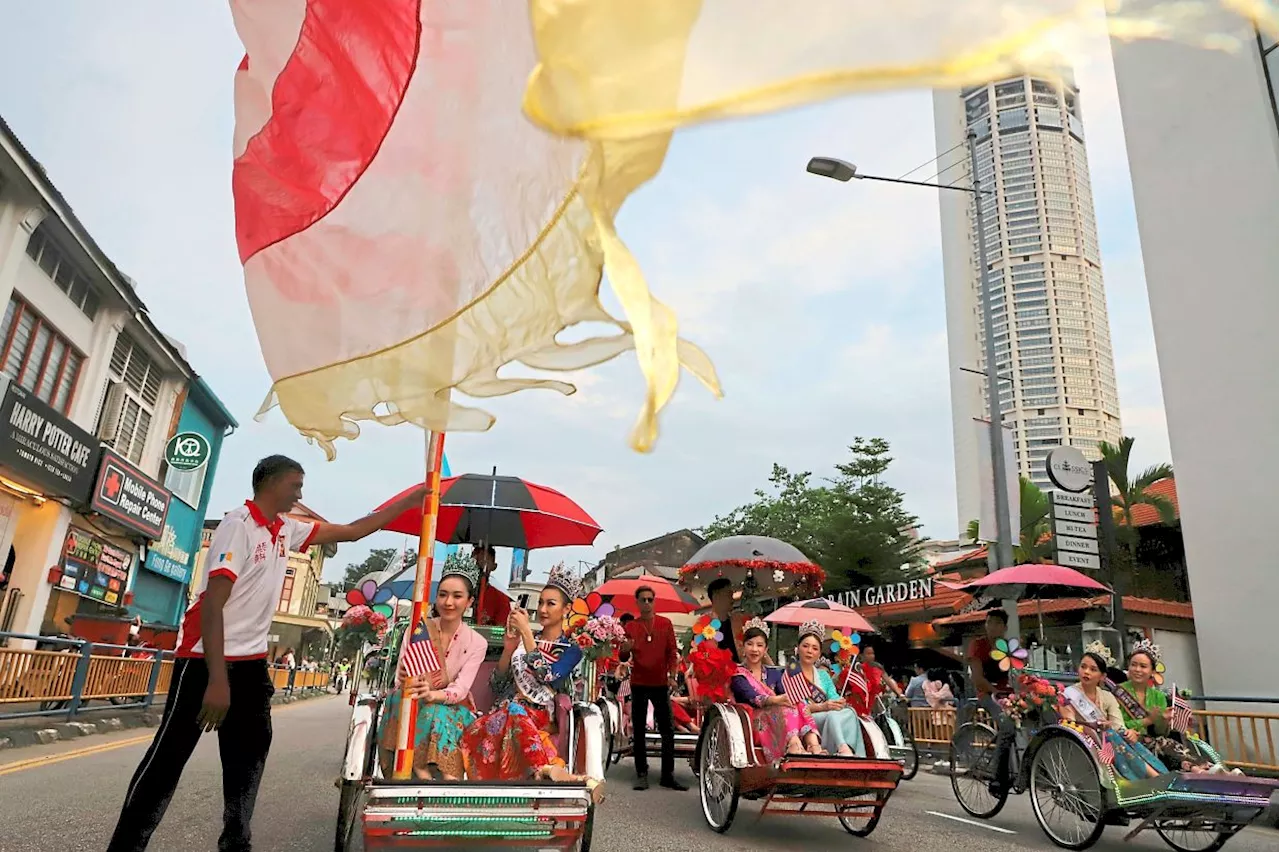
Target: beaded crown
x: 1146, y: 646
x: 758, y: 623
x: 1098, y: 647
x: 566, y: 581
x: 464, y: 567
x: 813, y: 628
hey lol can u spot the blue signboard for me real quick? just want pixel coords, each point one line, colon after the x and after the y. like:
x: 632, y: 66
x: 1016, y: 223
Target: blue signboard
x: 170, y: 556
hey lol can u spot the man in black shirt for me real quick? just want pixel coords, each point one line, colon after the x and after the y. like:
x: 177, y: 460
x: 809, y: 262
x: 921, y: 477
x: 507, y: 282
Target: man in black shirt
x: 721, y: 593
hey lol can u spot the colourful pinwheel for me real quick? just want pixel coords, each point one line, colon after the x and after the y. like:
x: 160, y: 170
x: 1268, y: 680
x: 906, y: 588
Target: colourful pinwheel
x: 584, y: 609
x: 1157, y: 674
x: 707, y: 628
x: 1009, y: 654
x: 370, y: 594
x: 844, y: 647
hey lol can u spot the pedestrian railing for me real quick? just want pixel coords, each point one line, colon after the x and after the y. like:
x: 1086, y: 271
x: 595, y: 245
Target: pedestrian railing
x: 1244, y: 739
x: 62, y: 679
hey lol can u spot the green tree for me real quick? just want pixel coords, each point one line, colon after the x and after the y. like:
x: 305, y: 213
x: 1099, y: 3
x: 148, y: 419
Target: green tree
x: 380, y: 558
x: 854, y: 525
x: 1033, y: 525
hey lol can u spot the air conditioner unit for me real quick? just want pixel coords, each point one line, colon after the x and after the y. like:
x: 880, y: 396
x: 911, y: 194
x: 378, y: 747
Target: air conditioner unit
x: 109, y: 417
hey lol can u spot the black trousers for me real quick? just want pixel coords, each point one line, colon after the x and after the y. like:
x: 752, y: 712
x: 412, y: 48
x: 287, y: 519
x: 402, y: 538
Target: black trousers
x: 660, y: 698
x: 243, y: 742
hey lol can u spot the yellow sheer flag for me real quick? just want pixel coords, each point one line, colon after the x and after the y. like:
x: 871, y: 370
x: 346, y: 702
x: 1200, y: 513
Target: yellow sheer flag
x: 623, y: 74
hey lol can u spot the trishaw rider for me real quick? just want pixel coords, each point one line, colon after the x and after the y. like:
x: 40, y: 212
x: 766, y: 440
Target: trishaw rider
x: 220, y: 676
x: 991, y: 682
x: 720, y: 591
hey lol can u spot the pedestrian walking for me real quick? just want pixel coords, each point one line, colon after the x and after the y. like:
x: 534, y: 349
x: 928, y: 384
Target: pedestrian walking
x: 220, y: 677
x: 651, y: 647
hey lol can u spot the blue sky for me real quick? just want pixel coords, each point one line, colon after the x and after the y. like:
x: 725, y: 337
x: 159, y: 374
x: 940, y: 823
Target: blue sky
x: 821, y: 303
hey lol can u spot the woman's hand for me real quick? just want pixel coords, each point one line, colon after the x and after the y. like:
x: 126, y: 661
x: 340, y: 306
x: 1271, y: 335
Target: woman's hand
x: 511, y: 638
x: 520, y: 621
x: 779, y: 701
x: 419, y: 687
x: 1130, y: 735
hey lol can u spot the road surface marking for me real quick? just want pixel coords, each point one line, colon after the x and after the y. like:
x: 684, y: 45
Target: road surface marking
x: 50, y: 759
x: 985, y: 825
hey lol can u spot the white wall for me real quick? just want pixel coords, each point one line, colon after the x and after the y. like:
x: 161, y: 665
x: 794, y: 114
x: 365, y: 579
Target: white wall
x: 1203, y: 154
x: 1178, y: 652
x: 963, y: 350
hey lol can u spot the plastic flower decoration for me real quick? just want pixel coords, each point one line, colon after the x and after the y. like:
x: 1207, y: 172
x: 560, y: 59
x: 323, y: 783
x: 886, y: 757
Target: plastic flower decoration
x: 584, y: 609
x: 844, y: 647
x: 1157, y: 674
x: 707, y: 628
x: 370, y: 594
x: 1009, y: 654
x: 779, y: 575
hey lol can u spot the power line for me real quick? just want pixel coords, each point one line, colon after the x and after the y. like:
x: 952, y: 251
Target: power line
x: 933, y: 160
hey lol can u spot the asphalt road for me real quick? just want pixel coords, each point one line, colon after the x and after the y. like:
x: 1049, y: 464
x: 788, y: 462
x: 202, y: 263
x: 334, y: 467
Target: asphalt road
x: 67, y: 802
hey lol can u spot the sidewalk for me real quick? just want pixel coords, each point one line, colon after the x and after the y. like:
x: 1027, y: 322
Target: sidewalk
x: 104, y: 719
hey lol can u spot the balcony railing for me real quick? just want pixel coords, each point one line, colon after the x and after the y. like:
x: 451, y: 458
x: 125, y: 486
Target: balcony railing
x: 63, y: 678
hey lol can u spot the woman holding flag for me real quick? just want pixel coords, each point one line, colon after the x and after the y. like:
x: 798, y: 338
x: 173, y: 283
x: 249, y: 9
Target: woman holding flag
x: 811, y: 687
x: 440, y: 661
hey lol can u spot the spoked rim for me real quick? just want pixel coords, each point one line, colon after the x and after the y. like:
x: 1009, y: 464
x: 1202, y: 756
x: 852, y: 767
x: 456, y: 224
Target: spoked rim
x: 903, y: 749
x: 972, y: 776
x: 860, y: 816
x: 1184, y: 835
x: 717, y: 779
x: 1066, y: 794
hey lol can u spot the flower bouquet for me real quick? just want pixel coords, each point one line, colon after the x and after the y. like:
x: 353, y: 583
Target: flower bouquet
x: 712, y: 668
x: 1035, y: 701
x: 598, y: 637
x: 364, y: 622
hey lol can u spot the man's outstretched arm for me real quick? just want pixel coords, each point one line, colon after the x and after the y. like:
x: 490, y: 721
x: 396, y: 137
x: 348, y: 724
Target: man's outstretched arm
x: 369, y: 524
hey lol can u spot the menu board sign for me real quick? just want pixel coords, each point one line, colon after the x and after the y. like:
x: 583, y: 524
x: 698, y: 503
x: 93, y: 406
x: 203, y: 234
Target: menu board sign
x: 94, y: 568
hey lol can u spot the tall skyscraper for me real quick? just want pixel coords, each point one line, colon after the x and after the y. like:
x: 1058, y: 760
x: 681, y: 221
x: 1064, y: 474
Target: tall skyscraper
x: 1045, y: 277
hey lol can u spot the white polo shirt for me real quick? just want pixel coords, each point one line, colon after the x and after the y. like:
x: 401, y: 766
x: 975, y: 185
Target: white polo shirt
x: 254, y: 552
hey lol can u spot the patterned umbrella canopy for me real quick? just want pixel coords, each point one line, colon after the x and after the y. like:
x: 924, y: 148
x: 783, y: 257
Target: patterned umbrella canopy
x: 759, y: 565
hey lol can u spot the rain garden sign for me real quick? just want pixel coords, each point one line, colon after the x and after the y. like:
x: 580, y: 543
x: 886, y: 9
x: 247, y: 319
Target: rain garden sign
x: 908, y: 590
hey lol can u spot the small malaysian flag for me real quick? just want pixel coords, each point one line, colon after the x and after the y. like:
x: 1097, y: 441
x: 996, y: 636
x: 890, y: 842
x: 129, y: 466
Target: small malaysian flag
x: 851, y: 677
x: 797, y: 688
x: 420, y: 656
x: 1107, y: 754
x: 1180, y: 719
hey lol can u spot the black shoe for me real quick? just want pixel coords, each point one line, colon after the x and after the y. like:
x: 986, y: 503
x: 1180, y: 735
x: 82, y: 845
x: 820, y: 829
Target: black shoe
x: 642, y: 783
x: 673, y: 784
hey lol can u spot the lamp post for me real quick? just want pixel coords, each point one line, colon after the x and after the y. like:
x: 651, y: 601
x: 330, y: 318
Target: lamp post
x: 843, y: 171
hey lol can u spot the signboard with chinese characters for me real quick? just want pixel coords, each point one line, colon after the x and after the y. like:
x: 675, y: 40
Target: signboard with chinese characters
x: 167, y: 558
x: 129, y: 497
x: 43, y: 449
x: 187, y: 451
x: 94, y: 568
x: 908, y: 590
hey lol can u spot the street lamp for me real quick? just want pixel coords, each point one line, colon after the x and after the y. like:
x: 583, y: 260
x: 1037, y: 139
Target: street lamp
x: 840, y: 170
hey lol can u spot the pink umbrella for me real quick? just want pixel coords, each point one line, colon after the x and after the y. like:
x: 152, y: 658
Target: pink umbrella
x: 1030, y: 581
x: 828, y: 613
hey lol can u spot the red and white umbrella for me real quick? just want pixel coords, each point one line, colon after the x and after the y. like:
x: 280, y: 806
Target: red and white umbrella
x: 826, y: 612
x: 668, y: 597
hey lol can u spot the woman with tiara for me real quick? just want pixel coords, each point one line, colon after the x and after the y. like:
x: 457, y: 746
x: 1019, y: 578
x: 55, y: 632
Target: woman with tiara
x: 1145, y: 710
x: 1089, y: 703
x: 443, y: 695
x: 532, y: 680
x: 810, y: 687
x: 781, y: 726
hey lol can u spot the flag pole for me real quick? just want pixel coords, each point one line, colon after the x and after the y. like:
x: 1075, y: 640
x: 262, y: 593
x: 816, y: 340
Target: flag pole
x: 403, y: 769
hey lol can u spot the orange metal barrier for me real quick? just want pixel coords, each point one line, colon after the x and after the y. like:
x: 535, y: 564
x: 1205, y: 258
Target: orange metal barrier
x: 27, y: 676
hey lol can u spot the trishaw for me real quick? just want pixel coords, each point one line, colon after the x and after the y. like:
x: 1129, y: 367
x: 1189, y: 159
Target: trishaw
x: 376, y: 812
x: 730, y: 763
x: 1075, y: 793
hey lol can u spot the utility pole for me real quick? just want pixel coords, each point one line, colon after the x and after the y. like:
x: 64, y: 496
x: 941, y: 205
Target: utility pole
x: 1106, y: 544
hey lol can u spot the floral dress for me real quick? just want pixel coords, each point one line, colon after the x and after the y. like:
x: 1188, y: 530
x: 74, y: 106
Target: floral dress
x: 774, y: 726
x: 836, y: 728
x: 1132, y: 761
x: 514, y: 740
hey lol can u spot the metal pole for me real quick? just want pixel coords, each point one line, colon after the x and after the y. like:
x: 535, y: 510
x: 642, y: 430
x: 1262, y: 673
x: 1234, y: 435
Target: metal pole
x: 1004, y: 537
x: 1106, y: 542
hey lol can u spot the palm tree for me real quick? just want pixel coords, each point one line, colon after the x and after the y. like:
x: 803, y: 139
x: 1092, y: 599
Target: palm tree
x: 1135, y: 492
x: 1033, y: 522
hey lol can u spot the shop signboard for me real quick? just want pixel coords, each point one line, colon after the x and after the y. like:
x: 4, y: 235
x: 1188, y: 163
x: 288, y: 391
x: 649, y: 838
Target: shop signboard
x: 187, y: 451
x: 43, y: 449
x: 908, y: 590
x: 129, y: 497
x: 166, y: 556
x: 94, y: 568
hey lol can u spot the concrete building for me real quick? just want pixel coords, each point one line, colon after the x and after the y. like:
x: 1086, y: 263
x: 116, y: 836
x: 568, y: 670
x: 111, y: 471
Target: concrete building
x: 1201, y: 131
x: 1045, y: 278
x: 93, y: 390
x: 672, y: 549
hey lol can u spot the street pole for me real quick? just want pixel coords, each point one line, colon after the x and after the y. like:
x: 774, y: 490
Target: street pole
x: 1004, y: 536
x: 1106, y: 544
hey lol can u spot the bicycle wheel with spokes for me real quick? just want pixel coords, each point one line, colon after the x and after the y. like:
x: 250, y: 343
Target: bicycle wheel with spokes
x: 1066, y: 794
x: 1191, y: 835
x: 974, y: 776
x: 902, y: 746
x: 718, y: 781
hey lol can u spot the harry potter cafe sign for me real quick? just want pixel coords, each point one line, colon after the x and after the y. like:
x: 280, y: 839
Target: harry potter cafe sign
x: 908, y: 590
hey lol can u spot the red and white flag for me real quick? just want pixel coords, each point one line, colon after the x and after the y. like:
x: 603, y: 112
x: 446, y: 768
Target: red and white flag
x: 1107, y: 754
x: 420, y: 654
x: 1181, y: 717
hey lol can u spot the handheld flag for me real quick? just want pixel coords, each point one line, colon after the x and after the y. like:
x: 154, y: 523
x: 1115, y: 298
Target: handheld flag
x: 420, y: 655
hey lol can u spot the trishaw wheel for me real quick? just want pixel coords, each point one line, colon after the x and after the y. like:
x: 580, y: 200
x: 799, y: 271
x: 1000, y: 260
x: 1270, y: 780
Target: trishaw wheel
x: 973, y: 771
x: 861, y: 816
x: 1066, y: 794
x: 903, y: 748
x: 1184, y: 836
x: 718, y: 781
x: 584, y: 842
x: 607, y: 746
x: 347, y: 835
